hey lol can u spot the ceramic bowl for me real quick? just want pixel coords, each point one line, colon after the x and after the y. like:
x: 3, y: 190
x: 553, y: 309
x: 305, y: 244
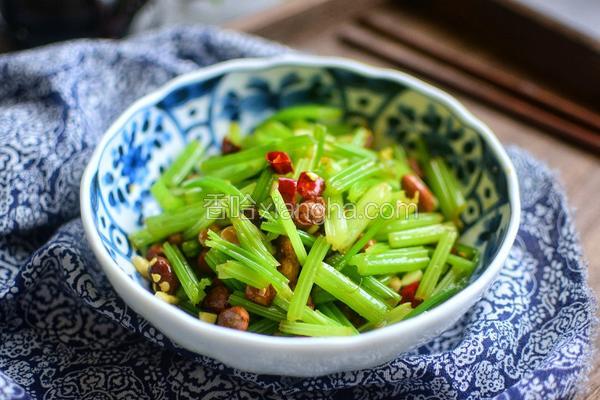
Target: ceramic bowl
x: 115, y: 195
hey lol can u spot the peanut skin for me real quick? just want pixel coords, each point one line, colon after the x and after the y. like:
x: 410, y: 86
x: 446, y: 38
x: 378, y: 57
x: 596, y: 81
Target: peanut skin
x: 413, y: 184
x: 235, y: 318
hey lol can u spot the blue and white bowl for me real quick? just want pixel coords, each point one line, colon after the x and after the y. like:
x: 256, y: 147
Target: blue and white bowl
x: 115, y: 196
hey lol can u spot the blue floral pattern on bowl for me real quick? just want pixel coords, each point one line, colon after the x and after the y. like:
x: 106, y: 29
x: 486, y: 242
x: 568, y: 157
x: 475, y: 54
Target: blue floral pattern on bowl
x: 149, y: 140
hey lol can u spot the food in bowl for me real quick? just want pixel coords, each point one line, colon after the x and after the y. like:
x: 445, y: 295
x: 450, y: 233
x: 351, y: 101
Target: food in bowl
x: 305, y: 228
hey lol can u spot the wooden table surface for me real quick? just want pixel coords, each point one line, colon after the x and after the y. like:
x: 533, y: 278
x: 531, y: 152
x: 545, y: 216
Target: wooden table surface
x: 579, y: 171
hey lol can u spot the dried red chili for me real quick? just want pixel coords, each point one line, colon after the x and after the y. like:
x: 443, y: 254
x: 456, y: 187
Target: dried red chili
x: 287, y: 188
x: 280, y: 162
x: 408, y: 294
x: 310, y: 185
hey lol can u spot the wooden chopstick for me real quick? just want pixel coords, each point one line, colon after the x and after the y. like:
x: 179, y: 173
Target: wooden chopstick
x: 387, y: 25
x: 424, y: 66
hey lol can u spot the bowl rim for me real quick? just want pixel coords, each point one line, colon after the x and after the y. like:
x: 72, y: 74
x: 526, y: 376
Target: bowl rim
x: 472, y: 291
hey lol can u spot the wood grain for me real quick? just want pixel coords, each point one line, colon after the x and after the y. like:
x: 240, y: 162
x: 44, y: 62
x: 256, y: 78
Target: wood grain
x: 577, y: 170
x: 398, y: 56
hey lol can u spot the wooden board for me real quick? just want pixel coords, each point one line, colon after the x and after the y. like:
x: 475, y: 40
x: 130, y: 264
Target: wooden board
x: 578, y: 170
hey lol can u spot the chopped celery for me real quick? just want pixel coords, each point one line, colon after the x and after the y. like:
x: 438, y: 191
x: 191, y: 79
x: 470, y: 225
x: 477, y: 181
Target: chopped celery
x: 336, y: 226
x: 418, y: 236
x: 348, y: 292
x: 304, y: 329
x: 164, y: 197
x: 252, y: 239
x: 307, y: 278
x: 288, y: 225
x: 235, y: 270
x: 434, y: 269
x: 264, y: 326
x: 184, y: 273
x: 271, y: 312
x: 414, y: 221
x: 183, y: 164
x: 359, y: 244
x: 311, y: 112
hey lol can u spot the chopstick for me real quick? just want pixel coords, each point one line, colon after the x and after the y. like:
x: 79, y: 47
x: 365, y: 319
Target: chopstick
x: 466, y: 62
x: 481, y: 90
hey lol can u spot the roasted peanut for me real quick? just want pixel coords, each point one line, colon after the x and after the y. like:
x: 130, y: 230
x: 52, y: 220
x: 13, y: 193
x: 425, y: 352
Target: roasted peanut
x: 163, y: 276
x: 263, y: 296
x: 203, y: 235
x: 202, y: 266
x: 217, y: 299
x: 154, y: 251
x: 235, y: 317
x: 310, y: 212
x: 413, y: 184
x: 289, y: 265
x: 175, y: 239
x: 415, y: 166
x: 228, y: 233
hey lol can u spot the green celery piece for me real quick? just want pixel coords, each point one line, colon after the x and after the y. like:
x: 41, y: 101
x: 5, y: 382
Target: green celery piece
x: 307, y: 278
x: 183, y: 164
x: 310, y: 112
x: 143, y: 238
x: 164, y: 197
x: 349, y: 293
x: 319, y: 296
x: 255, y: 153
x: 336, y: 226
x: 358, y: 189
x: 276, y: 228
x: 213, y: 258
x: 237, y: 173
x: 215, y: 184
x: 372, y: 286
x: 263, y: 185
x: 356, y: 172
x: 302, y: 165
x: 371, y: 202
x: 378, y: 248
x: 308, y: 314
x: 191, y: 248
x: 433, y: 271
x: 253, y: 239
x: 184, y: 273
x: 418, y: 236
x: 235, y: 270
x: 417, y: 220
x: 338, y: 150
x: 251, y: 260
x: 288, y: 225
x: 304, y: 329
x: 264, y: 327
x: 333, y: 312
x: 391, y: 262
x: 266, y: 133
x: 360, y: 243
x: 395, y: 315
x: 271, y: 312
x: 320, y: 135
x: 433, y: 301
x: 172, y: 222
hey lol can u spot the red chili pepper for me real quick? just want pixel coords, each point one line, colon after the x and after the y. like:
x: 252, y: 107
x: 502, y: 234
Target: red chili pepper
x: 408, y: 294
x: 310, y: 185
x: 287, y: 188
x: 280, y: 162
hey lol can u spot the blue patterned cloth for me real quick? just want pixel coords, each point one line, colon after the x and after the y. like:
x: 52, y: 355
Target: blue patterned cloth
x: 65, y: 334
